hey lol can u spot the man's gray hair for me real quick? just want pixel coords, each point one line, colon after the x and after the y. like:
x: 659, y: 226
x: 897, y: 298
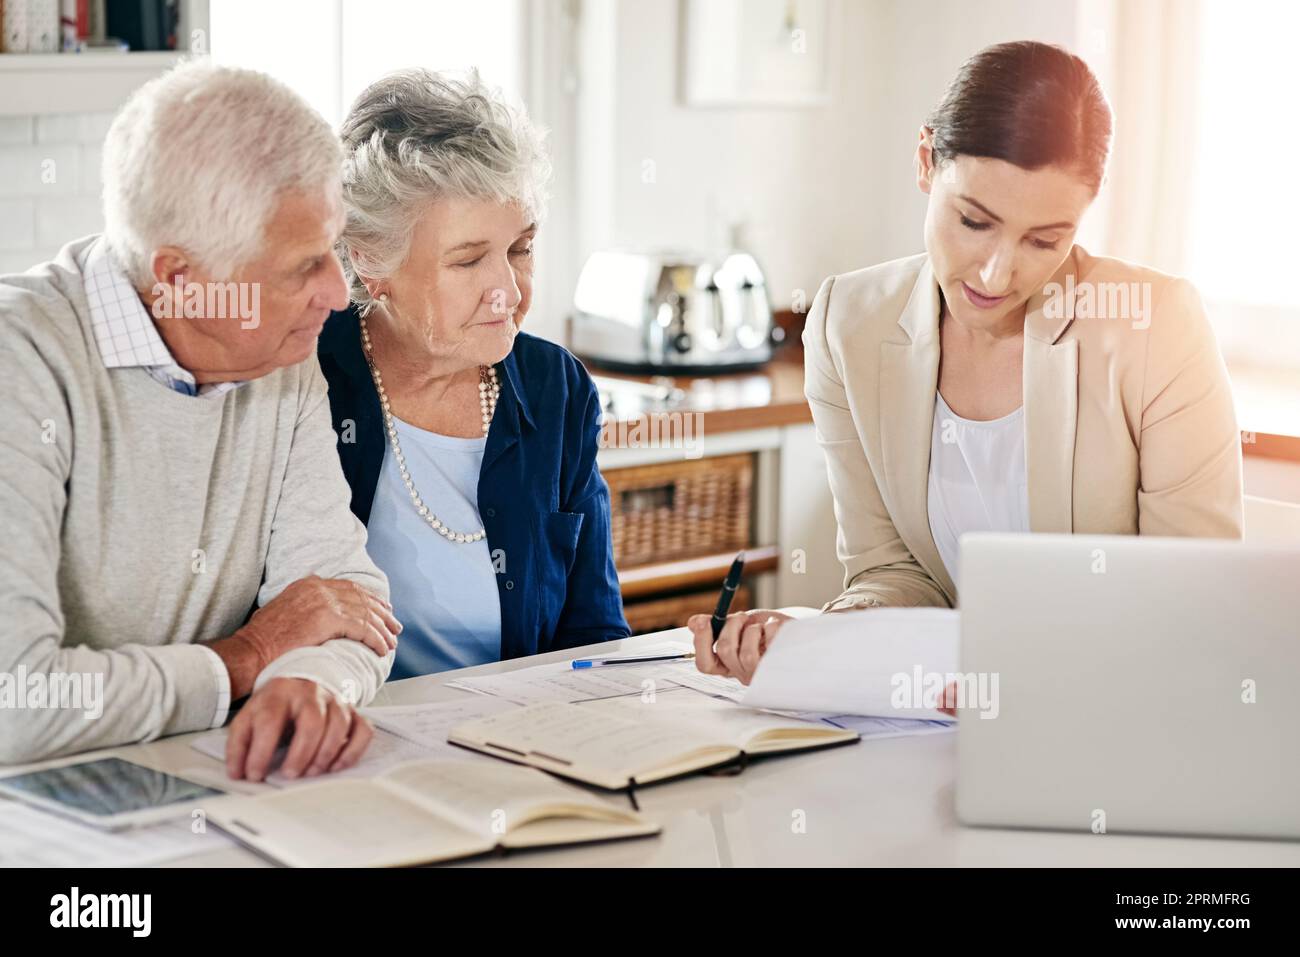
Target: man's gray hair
x: 199, y: 158
x: 417, y: 136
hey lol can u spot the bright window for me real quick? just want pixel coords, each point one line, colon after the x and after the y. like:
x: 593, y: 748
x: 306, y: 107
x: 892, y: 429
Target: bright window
x: 1245, y: 214
x: 330, y: 51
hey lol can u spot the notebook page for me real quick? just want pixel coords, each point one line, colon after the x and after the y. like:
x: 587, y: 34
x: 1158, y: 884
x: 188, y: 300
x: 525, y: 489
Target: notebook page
x: 708, y: 720
x: 489, y: 797
x: 568, y: 732
x: 339, y: 823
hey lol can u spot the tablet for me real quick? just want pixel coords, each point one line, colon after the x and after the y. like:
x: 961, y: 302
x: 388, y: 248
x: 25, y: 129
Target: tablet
x: 108, y: 793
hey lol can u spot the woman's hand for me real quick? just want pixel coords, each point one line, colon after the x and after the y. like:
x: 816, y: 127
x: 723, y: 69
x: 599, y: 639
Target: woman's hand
x: 740, y: 645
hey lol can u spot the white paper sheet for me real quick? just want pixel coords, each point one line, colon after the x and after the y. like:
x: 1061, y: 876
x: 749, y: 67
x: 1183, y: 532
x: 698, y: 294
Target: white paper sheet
x: 384, y: 751
x: 879, y: 662
x: 888, y: 727
x: 35, y: 838
x: 713, y: 685
x: 426, y: 725
x: 561, y: 682
x: 402, y: 733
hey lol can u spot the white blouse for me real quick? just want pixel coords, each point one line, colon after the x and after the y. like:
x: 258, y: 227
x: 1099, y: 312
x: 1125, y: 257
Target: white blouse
x: 977, y: 478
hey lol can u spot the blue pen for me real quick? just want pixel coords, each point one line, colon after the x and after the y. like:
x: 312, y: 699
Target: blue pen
x: 628, y: 660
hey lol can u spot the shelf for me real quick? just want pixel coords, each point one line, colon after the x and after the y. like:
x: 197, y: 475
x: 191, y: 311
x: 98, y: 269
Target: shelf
x: 726, y: 402
x: 705, y: 570
x: 95, y: 82
x: 1267, y: 446
x: 90, y: 60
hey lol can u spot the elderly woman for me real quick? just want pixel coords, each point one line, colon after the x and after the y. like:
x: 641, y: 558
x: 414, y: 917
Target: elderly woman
x: 470, y: 446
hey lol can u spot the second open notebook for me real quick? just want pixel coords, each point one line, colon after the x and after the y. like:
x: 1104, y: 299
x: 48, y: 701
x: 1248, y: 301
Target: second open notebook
x: 618, y: 742
x: 422, y: 812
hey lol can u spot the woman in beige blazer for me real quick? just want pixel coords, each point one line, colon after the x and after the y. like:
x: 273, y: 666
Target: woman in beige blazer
x: 1128, y: 422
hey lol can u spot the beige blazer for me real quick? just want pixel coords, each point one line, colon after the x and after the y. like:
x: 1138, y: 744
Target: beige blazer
x: 1129, y: 420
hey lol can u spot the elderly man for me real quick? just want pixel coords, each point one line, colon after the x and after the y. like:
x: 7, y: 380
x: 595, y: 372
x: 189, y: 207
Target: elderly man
x: 167, y: 463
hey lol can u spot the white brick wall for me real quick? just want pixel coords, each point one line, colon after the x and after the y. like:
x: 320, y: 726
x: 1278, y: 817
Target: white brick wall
x: 49, y: 184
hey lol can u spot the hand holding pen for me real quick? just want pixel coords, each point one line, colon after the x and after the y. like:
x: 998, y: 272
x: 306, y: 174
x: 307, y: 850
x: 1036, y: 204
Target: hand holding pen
x: 718, y: 621
x: 731, y: 645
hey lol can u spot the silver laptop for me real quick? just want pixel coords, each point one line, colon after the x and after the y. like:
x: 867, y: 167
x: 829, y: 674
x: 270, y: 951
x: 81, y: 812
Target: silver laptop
x: 1143, y: 684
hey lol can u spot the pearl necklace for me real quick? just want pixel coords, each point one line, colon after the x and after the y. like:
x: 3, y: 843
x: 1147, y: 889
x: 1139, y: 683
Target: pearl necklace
x: 488, y: 392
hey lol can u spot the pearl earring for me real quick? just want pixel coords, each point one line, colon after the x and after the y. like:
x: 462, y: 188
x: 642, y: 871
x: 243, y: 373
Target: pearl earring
x: 383, y: 297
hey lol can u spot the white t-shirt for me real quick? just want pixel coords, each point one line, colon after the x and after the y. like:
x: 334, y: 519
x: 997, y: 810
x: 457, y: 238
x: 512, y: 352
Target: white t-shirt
x: 977, y: 478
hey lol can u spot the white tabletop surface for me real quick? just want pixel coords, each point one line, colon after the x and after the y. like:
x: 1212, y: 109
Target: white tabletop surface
x: 874, y: 803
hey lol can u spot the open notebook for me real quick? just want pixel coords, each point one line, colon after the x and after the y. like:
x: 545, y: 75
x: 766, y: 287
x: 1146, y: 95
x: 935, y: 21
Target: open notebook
x: 618, y: 742
x: 422, y: 812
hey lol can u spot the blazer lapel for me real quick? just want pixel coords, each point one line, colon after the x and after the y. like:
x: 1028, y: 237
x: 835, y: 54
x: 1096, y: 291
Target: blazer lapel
x: 909, y: 378
x: 1051, y: 390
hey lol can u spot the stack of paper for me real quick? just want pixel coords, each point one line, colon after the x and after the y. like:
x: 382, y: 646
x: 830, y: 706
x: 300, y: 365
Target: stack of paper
x: 402, y: 733
x: 881, y: 662
x: 560, y: 682
x: 34, y: 838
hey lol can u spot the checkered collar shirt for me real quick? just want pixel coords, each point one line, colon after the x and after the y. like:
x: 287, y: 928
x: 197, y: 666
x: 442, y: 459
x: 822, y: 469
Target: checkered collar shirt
x: 124, y: 330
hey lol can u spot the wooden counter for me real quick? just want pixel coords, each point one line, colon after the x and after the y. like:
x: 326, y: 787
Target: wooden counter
x: 711, y: 405
x: 731, y: 402
x: 773, y: 397
x: 1268, y: 405
x: 1268, y: 409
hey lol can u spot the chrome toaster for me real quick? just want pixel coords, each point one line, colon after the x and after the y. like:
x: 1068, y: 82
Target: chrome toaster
x: 665, y: 312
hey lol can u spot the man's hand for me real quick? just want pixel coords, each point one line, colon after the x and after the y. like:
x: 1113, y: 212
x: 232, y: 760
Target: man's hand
x: 324, y: 733
x: 311, y: 611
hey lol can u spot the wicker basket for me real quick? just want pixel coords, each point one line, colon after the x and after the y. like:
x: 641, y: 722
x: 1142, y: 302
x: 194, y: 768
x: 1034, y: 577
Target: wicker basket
x: 681, y: 509
x: 659, y: 614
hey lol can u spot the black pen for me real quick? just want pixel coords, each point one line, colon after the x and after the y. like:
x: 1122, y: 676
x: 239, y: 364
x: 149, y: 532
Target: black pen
x: 729, y: 586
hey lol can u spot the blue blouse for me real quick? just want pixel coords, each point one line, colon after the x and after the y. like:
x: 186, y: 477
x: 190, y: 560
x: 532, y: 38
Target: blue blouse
x: 541, y: 497
x: 444, y: 593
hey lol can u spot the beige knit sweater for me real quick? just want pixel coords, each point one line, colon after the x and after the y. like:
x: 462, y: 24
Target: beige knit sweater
x: 136, y: 521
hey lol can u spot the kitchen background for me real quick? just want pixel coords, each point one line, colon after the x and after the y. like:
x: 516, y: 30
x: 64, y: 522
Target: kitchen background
x: 781, y: 129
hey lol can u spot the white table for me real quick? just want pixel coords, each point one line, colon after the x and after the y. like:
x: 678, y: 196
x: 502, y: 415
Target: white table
x: 874, y: 803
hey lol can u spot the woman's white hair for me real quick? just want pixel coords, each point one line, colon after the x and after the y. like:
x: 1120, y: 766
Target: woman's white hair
x: 417, y: 136
x: 199, y: 158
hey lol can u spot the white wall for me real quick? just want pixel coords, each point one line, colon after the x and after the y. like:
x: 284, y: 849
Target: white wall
x: 824, y: 189
x: 49, y: 184
x: 1272, y: 478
